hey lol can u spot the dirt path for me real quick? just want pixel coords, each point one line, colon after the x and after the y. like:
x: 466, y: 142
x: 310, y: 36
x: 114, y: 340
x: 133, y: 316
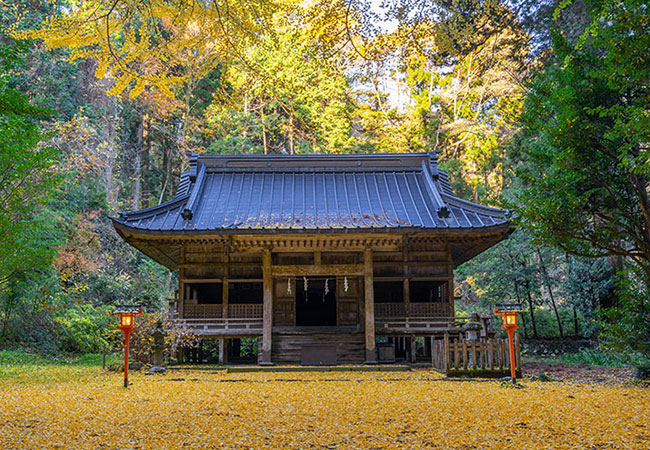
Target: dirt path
x: 581, y: 373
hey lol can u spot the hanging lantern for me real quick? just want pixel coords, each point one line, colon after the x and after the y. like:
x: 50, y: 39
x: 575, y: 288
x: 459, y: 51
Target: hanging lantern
x: 345, y: 284
x: 289, y: 286
x: 327, y: 289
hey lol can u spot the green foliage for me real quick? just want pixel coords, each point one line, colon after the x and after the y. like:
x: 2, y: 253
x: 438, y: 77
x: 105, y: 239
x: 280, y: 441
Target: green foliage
x: 626, y: 327
x: 294, y: 102
x: 598, y: 356
x: 248, y: 347
x: 586, y: 125
x: 518, y: 271
x: 585, y: 136
x: 27, y: 183
x: 82, y: 329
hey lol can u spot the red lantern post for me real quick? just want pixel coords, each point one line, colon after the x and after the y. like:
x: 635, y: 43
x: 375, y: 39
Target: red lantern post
x: 508, y: 315
x: 127, y: 315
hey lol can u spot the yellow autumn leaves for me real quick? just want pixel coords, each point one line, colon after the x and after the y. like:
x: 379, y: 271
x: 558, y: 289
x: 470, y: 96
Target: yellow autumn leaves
x: 320, y: 410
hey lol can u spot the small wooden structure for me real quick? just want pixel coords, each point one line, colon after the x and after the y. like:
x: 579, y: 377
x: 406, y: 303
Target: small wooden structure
x: 318, y: 256
x: 487, y: 356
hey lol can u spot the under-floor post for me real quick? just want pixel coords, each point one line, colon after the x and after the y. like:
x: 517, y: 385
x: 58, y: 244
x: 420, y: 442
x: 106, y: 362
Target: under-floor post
x: 413, y: 352
x: 223, y: 351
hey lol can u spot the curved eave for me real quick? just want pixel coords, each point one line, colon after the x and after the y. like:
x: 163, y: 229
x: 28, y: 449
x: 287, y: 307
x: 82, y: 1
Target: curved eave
x: 164, y: 246
x: 166, y: 254
x: 153, y: 210
x: 121, y: 226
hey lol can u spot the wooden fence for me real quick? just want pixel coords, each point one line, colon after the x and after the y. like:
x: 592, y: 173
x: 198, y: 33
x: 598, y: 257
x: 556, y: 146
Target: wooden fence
x: 237, y: 311
x: 224, y: 327
x: 395, y: 310
x: 473, y: 357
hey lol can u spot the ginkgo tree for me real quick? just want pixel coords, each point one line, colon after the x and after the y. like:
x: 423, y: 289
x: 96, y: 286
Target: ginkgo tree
x: 153, y: 43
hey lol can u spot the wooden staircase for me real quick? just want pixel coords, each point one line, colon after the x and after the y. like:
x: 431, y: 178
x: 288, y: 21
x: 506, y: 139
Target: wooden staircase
x: 346, y: 345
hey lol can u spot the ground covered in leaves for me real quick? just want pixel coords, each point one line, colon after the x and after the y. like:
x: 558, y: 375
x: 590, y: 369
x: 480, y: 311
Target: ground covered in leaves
x: 85, y: 408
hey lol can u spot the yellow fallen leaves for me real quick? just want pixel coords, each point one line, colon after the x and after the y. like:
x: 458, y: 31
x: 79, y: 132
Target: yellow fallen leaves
x: 331, y: 410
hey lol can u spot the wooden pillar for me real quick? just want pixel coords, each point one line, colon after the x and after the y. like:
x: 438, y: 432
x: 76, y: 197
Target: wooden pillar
x: 447, y: 361
x: 413, y: 351
x: 452, y: 309
x: 181, y: 285
x: 223, y: 351
x: 369, y: 307
x: 450, y: 284
x: 267, y: 328
x: 406, y: 293
x: 224, y: 294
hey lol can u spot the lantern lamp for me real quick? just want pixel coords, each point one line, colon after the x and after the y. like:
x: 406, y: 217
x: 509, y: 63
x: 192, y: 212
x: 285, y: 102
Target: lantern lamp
x: 127, y: 315
x: 508, y: 315
x: 127, y: 320
x: 510, y: 320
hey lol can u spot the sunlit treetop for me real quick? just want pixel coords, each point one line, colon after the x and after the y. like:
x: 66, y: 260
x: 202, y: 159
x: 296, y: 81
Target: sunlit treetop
x: 159, y: 44
x: 154, y: 43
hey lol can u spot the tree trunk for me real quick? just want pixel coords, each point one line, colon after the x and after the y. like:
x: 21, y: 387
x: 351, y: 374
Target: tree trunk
x: 245, y: 133
x: 165, y: 171
x: 111, y: 191
x: 146, y: 156
x: 576, y: 331
x: 291, y: 135
x: 550, y: 292
x: 137, y: 165
x: 8, y: 308
x: 264, y: 143
x: 523, y: 316
x: 532, y: 309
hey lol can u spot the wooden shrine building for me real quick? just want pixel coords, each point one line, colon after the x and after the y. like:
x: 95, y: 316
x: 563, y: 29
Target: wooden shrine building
x: 319, y: 256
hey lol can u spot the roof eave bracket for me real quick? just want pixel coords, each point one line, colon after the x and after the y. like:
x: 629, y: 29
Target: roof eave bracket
x: 188, y: 211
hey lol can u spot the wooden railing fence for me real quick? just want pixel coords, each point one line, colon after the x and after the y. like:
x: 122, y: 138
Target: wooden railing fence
x: 414, y: 310
x: 236, y: 311
x: 490, y: 355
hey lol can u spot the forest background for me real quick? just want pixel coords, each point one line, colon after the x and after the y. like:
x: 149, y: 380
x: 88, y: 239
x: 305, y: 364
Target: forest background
x: 539, y: 107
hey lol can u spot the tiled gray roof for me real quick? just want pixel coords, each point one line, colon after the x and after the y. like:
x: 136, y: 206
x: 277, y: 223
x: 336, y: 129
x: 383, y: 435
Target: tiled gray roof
x: 313, y: 193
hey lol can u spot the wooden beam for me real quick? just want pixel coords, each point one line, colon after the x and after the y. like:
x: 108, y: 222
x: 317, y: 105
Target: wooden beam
x: 369, y: 307
x: 267, y: 310
x: 203, y: 280
x: 322, y: 270
x: 317, y: 258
